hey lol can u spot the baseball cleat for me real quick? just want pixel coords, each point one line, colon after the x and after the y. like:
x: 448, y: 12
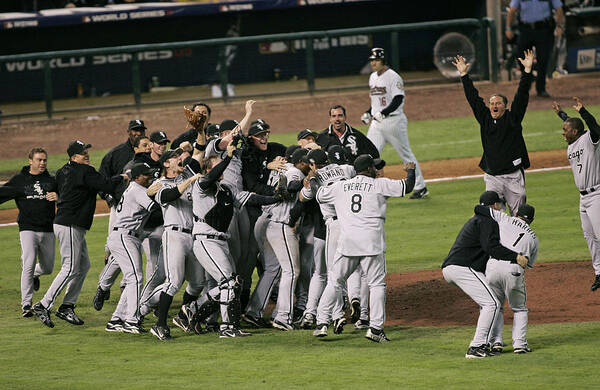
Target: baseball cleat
x: 283, y: 325
x: 308, y: 321
x: 521, y: 350
x: 479, y: 352
x: 498, y: 347
x: 257, y: 322
x: 36, y: 283
x: 596, y: 284
x: 212, y: 327
x: 376, y: 335
x: 27, y: 312
x: 420, y: 194
x: 338, y: 325
x: 161, y: 333
x: 43, y: 314
x: 182, y: 322
x: 100, y: 297
x: 114, y: 326
x: 133, y: 327
x: 232, y: 332
x: 354, y: 310
x: 298, y: 314
x: 68, y: 314
x: 361, y: 324
x: 320, y: 331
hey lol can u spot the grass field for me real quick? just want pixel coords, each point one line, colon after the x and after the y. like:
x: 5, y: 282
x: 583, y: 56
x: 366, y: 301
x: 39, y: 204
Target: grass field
x: 419, y: 235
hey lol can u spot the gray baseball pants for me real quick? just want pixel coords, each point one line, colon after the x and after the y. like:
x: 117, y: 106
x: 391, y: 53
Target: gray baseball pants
x: 507, y: 280
x: 589, y: 212
x: 306, y: 263
x: 318, y: 281
x: 155, y: 267
x: 40, y: 245
x: 331, y: 243
x: 358, y: 288
x: 476, y: 286
x: 75, y: 264
x: 510, y: 187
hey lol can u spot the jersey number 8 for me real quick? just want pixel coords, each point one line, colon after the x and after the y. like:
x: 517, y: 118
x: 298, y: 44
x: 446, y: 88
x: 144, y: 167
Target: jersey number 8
x: 356, y: 205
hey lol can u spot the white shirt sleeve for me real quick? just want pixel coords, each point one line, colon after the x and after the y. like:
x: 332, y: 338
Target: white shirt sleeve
x: 389, y: 187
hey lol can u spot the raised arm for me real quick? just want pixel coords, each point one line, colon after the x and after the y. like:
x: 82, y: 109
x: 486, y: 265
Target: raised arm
x: 561, y: 114
x: 588, y: 118
x: 471, y: 93
x: 519, y: 105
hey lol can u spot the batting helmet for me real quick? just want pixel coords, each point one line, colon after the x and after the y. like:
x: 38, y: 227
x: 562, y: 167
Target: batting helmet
x: 377, y: 53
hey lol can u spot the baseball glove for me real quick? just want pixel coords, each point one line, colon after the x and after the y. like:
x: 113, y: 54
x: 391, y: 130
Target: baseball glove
x: 281, y: 191
x: 195, y: 119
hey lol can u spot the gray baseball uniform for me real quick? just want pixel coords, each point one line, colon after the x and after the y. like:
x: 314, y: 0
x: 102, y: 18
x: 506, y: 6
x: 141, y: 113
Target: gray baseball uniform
x: 507, y: 280
x: 125, y: 245
x: 360, y: 205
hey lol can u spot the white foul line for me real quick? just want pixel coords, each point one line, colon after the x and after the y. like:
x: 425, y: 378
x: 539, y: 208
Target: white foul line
x: 440, y: 179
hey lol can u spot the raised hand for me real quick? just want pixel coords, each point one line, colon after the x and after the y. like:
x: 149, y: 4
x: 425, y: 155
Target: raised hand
x: 556, y: 107
x: 527, y: 62
x: 249, y: 104
x: 461, y: 65
x: 578, y: 103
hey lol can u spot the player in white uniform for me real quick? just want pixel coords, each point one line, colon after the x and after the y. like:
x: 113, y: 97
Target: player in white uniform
x: 324, y: 174
x: 507, y: 280
x: 125, y: 245
x: 386, y: 115
x: 583, y: 153
x: 360, y: 205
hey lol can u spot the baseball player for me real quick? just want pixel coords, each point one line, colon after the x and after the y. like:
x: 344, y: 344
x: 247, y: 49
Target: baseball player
x: 505, y: 155
x: 325, y: 172
x: 584, y: 157
x: 34, y: 191
x: 507, y: 280
x: 388, y: 123
x: 125, y: 246
x: 360, y: 205
x: 78, y: 184
x: 478, y: 240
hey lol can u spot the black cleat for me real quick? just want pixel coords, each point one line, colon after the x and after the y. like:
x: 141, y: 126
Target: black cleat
x: 521, y: 350
x: 354, y: 310
x: 114, y: 326
x: 161, y: 333
x: 68, y: 314
x: 43, y: 314
x: 420, y: 194
x: 257, y: 322
x: 133, y: 327
x: 338, y: 325
x: 27, y: 312
x: 36, y: 283
x: 377, y: 335
x: 596, y: 284
x: 100, y: 297
x: 231, y: 332
x: 183, y: 323
x: 497, y: 347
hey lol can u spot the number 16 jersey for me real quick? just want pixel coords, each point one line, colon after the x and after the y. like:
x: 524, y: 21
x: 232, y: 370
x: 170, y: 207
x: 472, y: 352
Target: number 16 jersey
x: 383, y: 88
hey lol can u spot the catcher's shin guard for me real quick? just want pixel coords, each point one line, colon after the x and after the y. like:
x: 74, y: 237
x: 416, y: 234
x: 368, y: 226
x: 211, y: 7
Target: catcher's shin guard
x: 206, y: 309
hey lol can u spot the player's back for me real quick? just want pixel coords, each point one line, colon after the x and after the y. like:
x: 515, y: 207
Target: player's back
x: 517, y: 235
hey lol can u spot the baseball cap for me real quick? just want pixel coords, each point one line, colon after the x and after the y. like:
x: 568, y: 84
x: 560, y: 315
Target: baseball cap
x: 228, y: 124
x: 258, y: 128
x: 168, y: 154
x: 142, y: 169
x: 377, y: 53
x: 364, y: 161
x: 489, y: 198
x: 136, y: 124
x: 77, y: 147
x: 212, y: 129
x: 290, y: 150
x: 299, y: 155
x: 317, y: 157
x: 337, y: 154
x: 526, y: 211
x: 305, y: 133
x: 159, y: 137
x: 260, y: 122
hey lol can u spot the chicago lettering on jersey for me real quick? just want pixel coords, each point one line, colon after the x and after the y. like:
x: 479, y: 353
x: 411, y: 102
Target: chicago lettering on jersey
x: 576, y: 154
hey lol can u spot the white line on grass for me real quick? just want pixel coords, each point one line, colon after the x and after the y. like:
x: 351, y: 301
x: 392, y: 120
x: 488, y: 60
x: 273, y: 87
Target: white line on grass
x: 440, y: 179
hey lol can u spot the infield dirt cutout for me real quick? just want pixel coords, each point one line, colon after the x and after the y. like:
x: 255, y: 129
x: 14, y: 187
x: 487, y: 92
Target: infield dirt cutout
x: 557, y: 292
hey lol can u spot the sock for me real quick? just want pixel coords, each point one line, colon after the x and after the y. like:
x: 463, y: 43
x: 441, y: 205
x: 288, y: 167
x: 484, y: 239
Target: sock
x: 163, y: 309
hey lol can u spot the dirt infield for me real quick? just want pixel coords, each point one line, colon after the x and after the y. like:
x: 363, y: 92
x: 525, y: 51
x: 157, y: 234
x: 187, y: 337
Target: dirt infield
x: 417, y: 298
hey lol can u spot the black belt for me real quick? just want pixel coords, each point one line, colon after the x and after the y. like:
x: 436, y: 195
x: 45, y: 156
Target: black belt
x: 334, y: 218
x: 211, y: 236
x: 588, y: 191
x: 539, y: 24
x: 198, y: 219
x: 180, y: 229
x: 127, y: 231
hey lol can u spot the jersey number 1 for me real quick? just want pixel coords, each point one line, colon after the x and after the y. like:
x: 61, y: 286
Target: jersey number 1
x: 356, y: 206
x: 518, y: 239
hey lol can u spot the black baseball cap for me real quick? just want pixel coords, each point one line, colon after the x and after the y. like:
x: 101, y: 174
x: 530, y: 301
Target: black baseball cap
x: 142, y: 169
x: 489, y: 198
x: 305, y: 133
x: 261, y: 122
x: 77, y: 147
x: 299, y: 155
x: 136, y: 124
x: 159, y: 137
x: 317, y: 157
x: 258, y: 128
x: 168, y: 154
x: 228, y: 124
x: 213, y: 129
x: 364, y: 161
x: 337, y: 154
x: 290, y: 150
x: 526, y: 211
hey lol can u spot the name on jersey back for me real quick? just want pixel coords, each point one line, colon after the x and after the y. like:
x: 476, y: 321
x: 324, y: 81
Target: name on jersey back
x: 364, y: 187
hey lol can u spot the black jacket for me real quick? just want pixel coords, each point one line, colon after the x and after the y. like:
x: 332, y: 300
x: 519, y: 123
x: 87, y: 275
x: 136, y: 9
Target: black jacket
x: 504, y: 149
x: 355, y: 142
x: 78, y: 185
x: 190, y: 135
x: 29, y: 192
x: 255, y: 173
x: 114, y: 161
x: 476, y: 242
